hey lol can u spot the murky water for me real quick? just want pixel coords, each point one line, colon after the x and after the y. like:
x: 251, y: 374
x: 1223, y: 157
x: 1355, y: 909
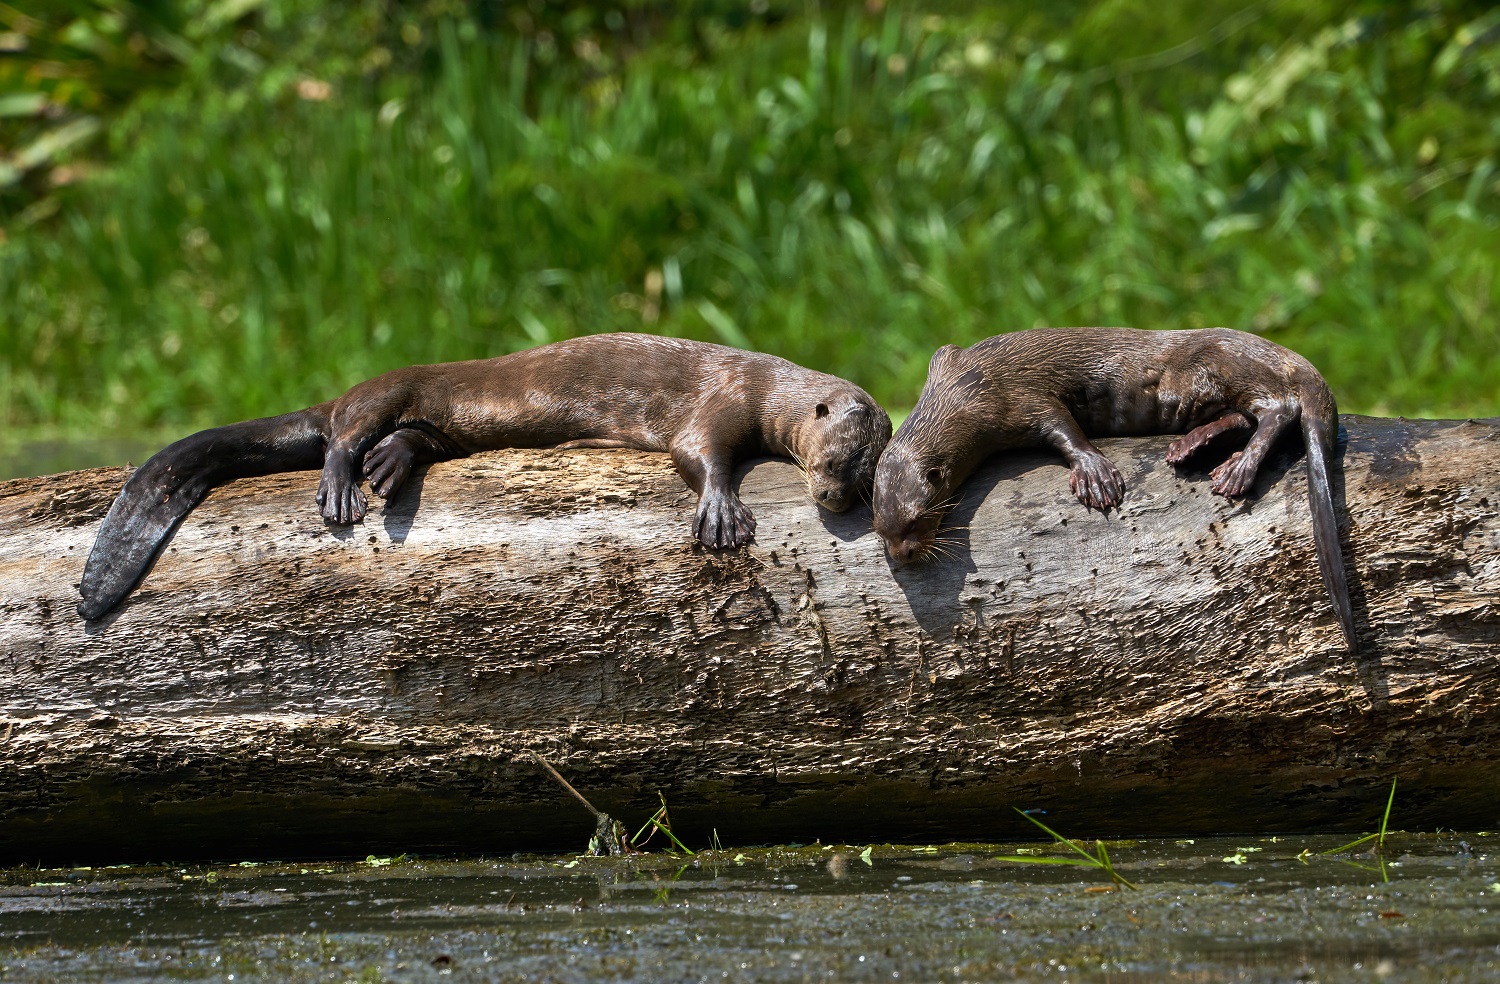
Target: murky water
x: 23, y: 455
x: 1237, y: 909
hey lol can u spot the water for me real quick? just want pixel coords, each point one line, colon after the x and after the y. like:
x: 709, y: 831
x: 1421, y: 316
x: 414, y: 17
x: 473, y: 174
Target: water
x: 24, y: 455
x: 816, y: 913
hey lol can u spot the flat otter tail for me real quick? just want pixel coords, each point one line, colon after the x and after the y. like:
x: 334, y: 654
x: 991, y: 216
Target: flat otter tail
x: 175, y: 479
x: 1318, y: 434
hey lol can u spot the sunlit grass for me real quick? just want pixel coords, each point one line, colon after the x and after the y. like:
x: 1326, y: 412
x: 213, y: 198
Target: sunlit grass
x: 849, y: 192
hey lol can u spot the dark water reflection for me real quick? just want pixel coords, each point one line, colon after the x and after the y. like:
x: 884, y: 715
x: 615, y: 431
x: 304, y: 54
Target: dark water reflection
x: 21, y: 457
x: 780, y: 914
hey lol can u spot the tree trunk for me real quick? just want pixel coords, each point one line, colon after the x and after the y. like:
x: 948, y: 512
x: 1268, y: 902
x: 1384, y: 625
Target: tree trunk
x: 279, y: 687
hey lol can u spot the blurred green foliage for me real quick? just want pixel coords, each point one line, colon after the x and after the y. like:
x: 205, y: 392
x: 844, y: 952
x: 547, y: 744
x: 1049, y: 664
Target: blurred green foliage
x: 297, y: 195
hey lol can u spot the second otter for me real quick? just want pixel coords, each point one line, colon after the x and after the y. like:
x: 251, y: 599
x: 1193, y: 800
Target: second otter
x: 1058, y: 386
x: 709, y: 406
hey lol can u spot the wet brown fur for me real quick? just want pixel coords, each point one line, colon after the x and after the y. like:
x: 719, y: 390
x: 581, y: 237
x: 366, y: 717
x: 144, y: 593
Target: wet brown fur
x: 1059, y: 386
x: 708, y: 406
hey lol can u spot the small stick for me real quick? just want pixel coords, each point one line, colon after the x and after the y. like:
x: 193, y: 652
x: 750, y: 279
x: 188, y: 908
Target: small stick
x: 565, y: 784
x: 609, y: 833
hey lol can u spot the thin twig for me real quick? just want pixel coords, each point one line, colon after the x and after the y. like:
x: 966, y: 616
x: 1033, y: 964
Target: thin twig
x: 565, y: 784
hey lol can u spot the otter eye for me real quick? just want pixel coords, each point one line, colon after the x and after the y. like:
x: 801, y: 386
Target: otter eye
x: 821, y: 410
x: 828, y: 467
x: 934, y: 476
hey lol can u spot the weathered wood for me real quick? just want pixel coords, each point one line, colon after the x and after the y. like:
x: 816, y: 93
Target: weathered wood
x: 278, y: 686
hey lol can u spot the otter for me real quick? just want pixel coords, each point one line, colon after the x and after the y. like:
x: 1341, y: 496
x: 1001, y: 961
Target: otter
x: 708, y: 406
x: 1058, y: 386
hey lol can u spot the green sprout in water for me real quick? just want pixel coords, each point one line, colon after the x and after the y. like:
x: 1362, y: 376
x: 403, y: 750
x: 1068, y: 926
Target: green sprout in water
x: 1100, y: 859
x: 662, y: 822
x: 1378, y: 837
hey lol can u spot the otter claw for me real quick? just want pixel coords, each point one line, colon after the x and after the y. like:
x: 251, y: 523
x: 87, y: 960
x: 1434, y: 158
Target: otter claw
x: 723, y: 523
x: 1097, y: 485
x: 342, y: 507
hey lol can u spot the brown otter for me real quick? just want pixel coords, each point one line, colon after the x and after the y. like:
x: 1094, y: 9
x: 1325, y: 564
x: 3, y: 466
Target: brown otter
x: 709, y: 406
x: 1053, y: 386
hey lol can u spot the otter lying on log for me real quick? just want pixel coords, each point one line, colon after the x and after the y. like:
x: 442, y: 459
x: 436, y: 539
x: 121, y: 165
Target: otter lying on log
x: 1060, y: 386
x: 709, y: 406
x: 282, y: 688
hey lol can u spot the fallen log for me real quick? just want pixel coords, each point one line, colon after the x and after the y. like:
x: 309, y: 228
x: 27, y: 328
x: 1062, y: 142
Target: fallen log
x: 280, y: 687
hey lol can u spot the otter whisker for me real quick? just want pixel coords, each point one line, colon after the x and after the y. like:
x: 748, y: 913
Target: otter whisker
x: 940, y: 507
x: 807, y: 478
x: 950, y: 546
x: 939, y: 552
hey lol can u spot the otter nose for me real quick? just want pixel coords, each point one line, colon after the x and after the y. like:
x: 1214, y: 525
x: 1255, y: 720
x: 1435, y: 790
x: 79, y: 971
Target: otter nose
x: 824, y: 495
x: 903, y: 550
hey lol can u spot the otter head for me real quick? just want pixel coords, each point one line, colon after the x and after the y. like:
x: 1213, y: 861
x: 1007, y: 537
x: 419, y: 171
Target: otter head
x: 913, y: 491
x: 937, y: 446
x: 837, y: 445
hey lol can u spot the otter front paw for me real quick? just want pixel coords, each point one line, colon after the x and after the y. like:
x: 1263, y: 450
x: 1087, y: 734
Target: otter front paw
x: 341, y: 502
x: 1097, y: 483
x: 388, y: 466
x: 723, y: 521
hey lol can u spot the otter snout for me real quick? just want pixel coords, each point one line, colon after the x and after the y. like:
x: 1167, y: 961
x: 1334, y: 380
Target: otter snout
x: 910, y: 542
x: 907, y: 550
x: 837, y: 497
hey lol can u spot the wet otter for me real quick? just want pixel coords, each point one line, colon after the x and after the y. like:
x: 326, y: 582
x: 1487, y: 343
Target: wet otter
x: 1054, y: 386
x: 709, y: 406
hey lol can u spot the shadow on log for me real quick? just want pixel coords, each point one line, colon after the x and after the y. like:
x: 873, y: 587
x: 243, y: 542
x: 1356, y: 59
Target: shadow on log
x: 281, y: 688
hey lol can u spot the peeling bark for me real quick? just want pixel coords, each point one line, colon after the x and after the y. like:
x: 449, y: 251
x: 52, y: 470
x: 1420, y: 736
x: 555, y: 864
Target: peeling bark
x: 281, y: 687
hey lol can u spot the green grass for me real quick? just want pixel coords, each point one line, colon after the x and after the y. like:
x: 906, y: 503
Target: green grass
x: 849, y: 191
x: 1378, y: 837
x: 1378, y: 848
x: 1098, y: 859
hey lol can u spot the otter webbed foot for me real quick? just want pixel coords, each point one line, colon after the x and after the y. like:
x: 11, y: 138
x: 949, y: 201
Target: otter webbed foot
x: 1187, y: 445
x: 723, y: 521
x: 1200, y: 437
x: 1234, y: 477
x: 1096, y: 482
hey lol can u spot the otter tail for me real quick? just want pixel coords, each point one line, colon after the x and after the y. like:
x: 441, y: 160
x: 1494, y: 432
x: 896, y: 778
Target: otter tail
x: 175, y: 479
x: 1318, y: 432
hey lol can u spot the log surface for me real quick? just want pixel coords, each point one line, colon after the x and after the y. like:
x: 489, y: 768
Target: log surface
x: 279, y: 687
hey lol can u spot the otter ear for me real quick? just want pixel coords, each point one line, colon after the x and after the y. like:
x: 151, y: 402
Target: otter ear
x: 821, y: 410
x: 942, y: 359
